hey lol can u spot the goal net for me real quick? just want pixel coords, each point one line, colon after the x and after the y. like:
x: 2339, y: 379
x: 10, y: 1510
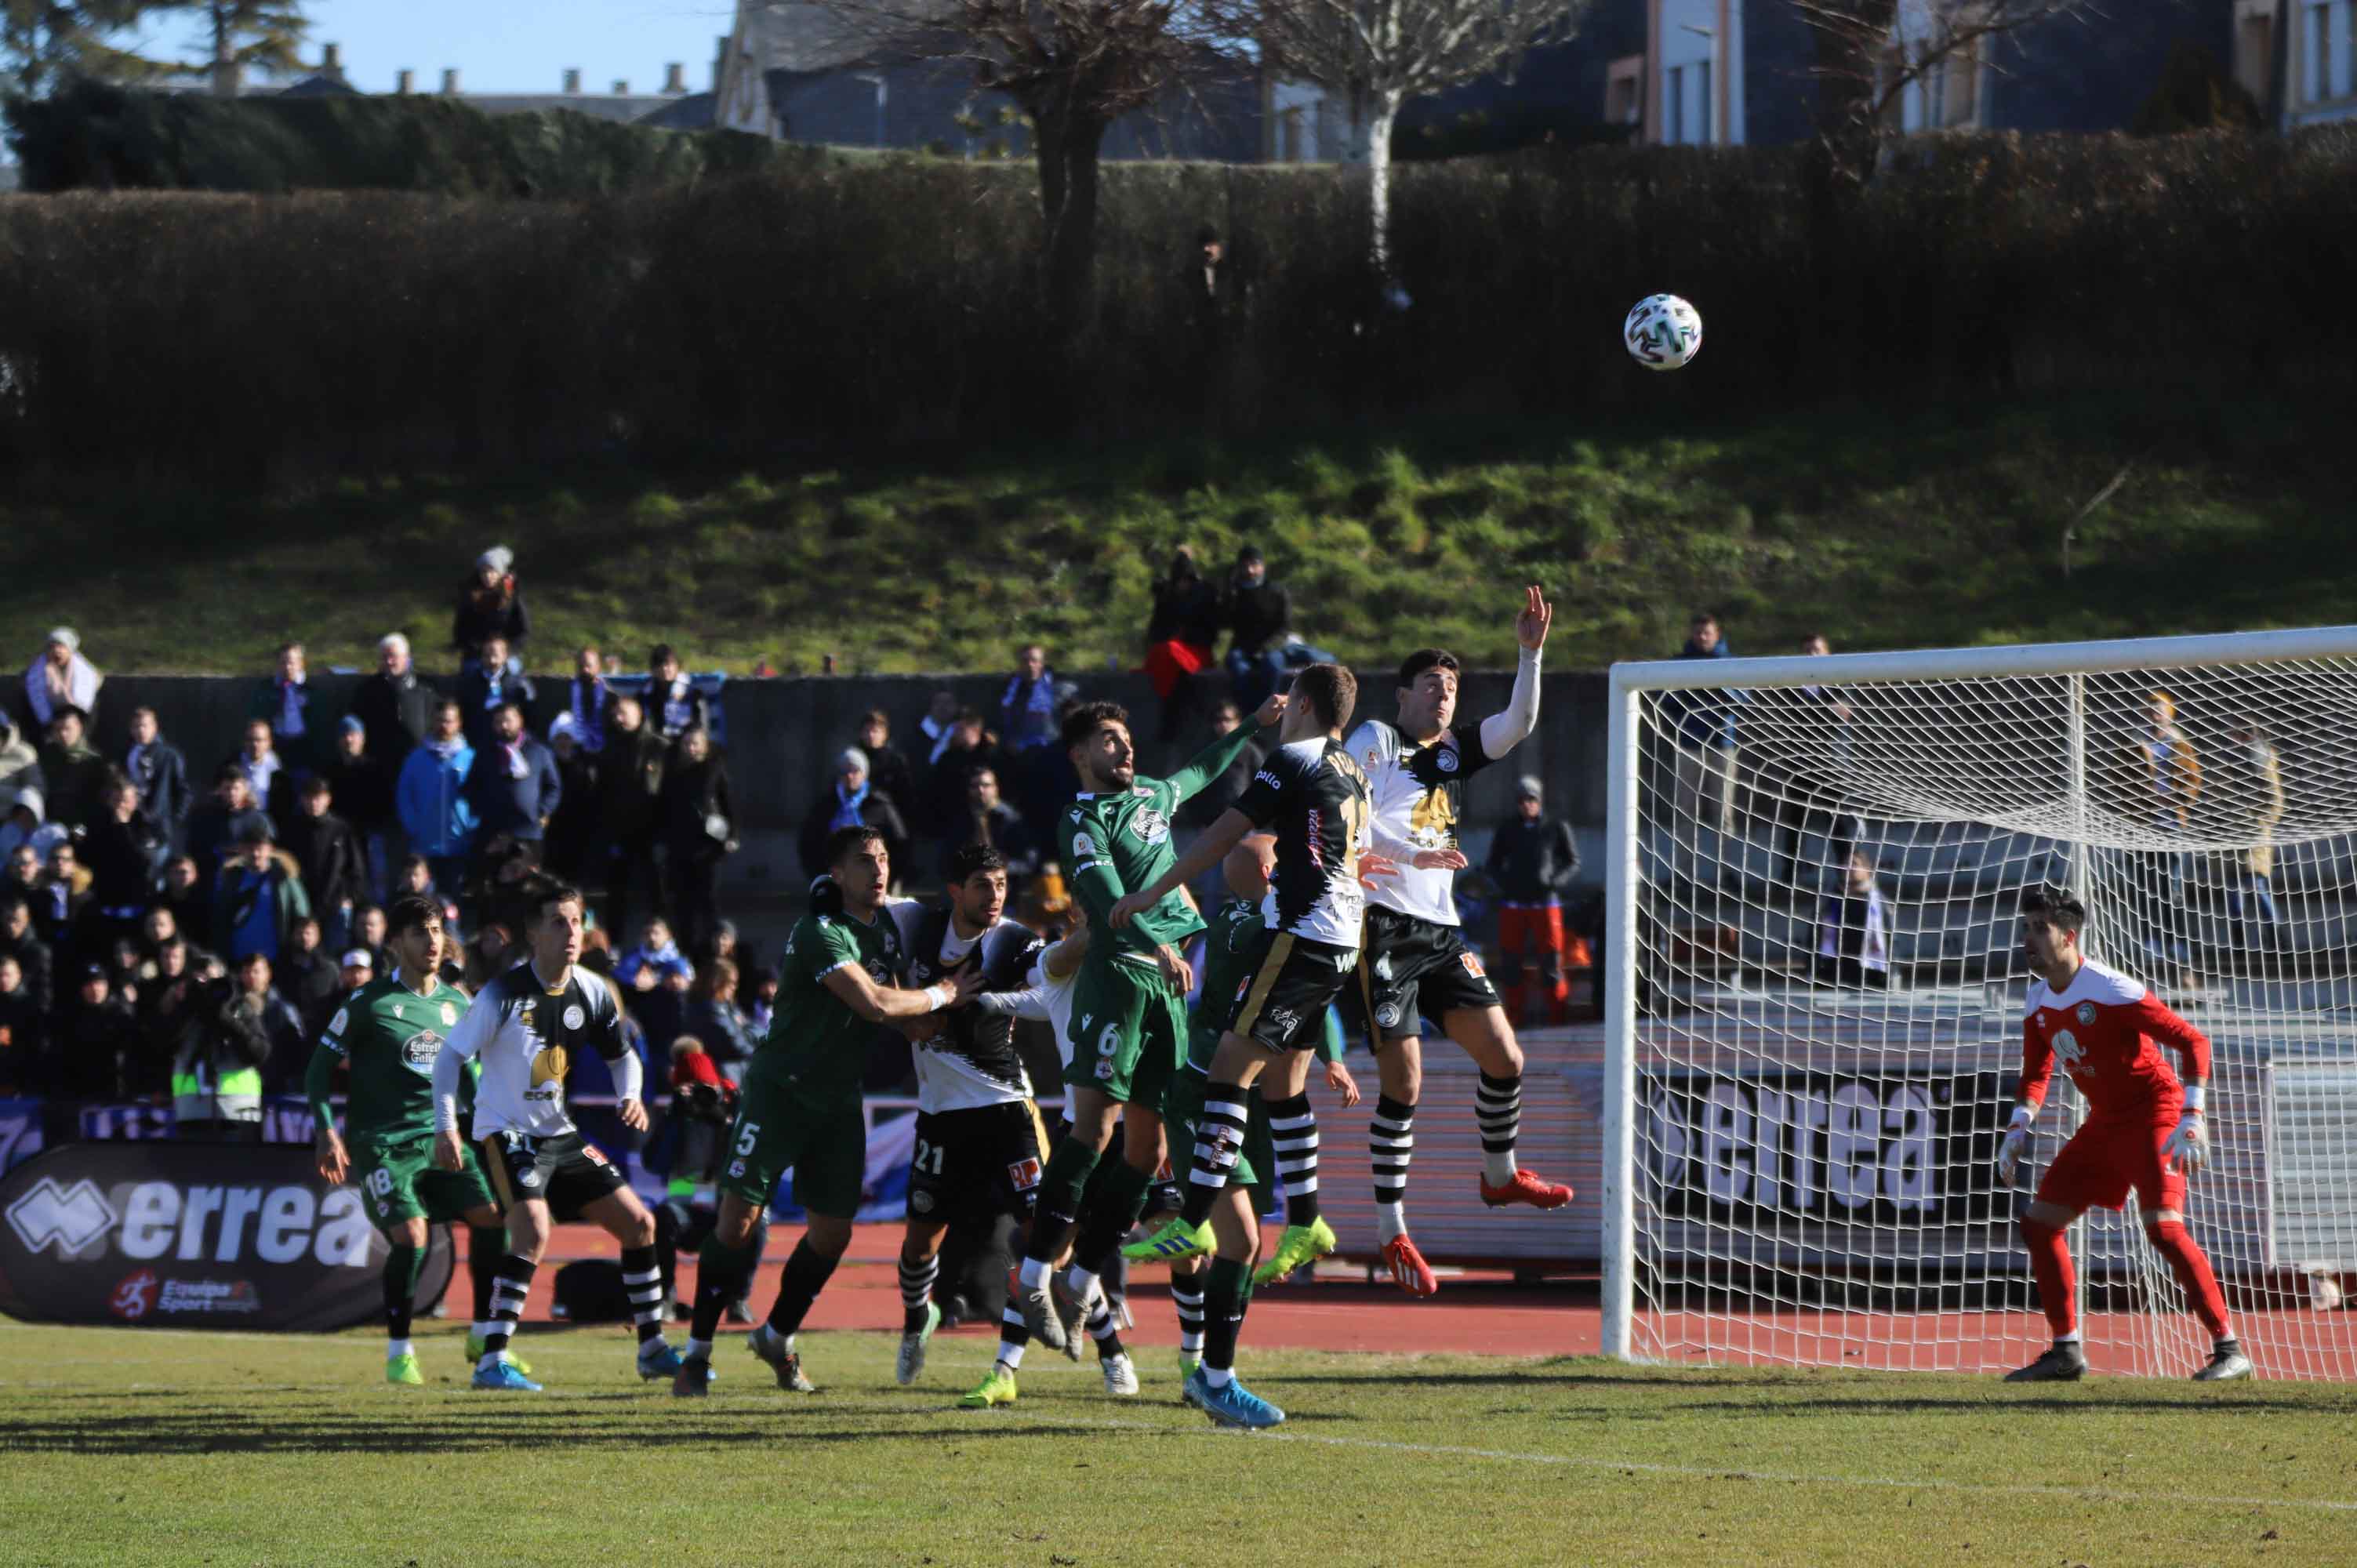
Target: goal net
x: 1815, y: 986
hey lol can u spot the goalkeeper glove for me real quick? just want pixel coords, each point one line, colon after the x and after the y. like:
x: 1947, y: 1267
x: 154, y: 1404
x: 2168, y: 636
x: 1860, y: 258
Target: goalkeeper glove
x: 2188, y: 1146
x: 2015, y: 1149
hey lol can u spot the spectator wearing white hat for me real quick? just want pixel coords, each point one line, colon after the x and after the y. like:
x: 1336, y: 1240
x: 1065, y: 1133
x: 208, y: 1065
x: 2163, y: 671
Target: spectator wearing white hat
x: 491, y: 605
x: 59, y: 677
x: 20, y: 761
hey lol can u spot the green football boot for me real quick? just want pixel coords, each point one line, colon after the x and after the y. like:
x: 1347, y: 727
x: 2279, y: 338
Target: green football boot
x: 402, y: 1369
x: 1174, y: 1241
x: 1299, y: 1244
x: 996, y: 1389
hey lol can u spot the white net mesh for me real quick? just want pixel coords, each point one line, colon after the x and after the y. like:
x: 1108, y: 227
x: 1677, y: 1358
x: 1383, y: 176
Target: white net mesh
x: 1830, y: 993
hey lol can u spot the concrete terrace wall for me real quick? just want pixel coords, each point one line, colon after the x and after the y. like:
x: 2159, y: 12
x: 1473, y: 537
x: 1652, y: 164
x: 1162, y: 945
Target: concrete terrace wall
x: 781, y: 734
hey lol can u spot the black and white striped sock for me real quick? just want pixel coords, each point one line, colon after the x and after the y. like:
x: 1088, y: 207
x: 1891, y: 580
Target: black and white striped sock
x: 1498, y: 1107
x: 917, y: 1291
x: 1187, y: 1296
x: 1293, y: 1129
x: 1391, y: 1145
x: 510, y: 1290
x: 1014, y: 1335
x: 1104, y: 1328
x: 642, y: 1279
x: 1219, y: 1138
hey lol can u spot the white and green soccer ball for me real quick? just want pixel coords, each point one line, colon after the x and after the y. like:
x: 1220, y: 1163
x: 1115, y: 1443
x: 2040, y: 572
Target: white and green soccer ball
x: 1663, y: 332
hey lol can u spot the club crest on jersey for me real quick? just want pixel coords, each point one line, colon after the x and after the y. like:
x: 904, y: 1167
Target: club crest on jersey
x: 879, y: 974
x: 1150, y: 826
x: 336, y: 1024
x: 449, y: 1015
x: 575, y: 1018
x: 919, y: 1200
x: 418, y: 1051
x: 2066, y: 1045
x: 1388, y: 1014
x: 2086, y: 1012
x: 1083, y: 845
x: 1447, y: 760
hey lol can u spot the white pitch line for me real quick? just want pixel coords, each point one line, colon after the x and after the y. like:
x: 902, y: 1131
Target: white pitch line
x: 1710, y: 1471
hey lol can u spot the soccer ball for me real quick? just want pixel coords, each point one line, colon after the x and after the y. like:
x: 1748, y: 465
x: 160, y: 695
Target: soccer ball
x: 1663, y: 332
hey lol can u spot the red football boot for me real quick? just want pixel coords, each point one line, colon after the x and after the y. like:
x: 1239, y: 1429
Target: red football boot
x: 1527, y: 1187
x: 1409, y: 1271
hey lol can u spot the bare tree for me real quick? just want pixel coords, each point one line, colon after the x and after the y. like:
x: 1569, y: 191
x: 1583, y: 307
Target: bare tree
x: 1073, y: 67
x: 1385, y: 52
x: 1869, y: 52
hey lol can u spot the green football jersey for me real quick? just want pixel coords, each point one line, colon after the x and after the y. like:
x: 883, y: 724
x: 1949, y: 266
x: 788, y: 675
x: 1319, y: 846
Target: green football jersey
x: 1119, y: 843
x: 814, y: 1038
x: 390, y: 1035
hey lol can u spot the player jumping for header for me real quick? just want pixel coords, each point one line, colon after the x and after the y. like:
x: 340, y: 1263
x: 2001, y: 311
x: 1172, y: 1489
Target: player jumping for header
x: 2143, y: 1129
x: 1415, y: 960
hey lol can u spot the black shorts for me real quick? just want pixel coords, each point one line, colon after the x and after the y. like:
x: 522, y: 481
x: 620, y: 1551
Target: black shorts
x: 1297, y: 980
x: 563, y: 1170
x: 1411, y: 966
x: 982, y: 1161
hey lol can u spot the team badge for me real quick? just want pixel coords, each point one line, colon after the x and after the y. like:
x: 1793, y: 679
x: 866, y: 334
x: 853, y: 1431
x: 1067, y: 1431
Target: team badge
x: 919, y: 1200
x: 336, y: 1024
x: 2086, y: 1012
x: 531, y: 1176
x: 1083, y: 846
x: 1447, y: 761
x: 1388, y: 1016
x: 1104, y: 1069
x: 575, y: 1018
x: 1150, y: 826
x: 449, y: 1015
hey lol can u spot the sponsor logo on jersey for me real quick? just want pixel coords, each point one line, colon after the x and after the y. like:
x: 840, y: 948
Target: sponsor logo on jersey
x: 1283, y: 1020
x: 1271, y: 779
x: 1150, y: 826
x: 1472, y: 961
x: 2067, y: 1046
x: 134, y: 1296
x: 1024, y: 1174
x: 2086, y: 1012
x: 418, y: 1051
x: 549, y: 1065
x: 575, y: 1018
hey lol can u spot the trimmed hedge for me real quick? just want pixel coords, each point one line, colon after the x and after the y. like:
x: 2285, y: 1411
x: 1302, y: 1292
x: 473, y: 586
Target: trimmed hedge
x: 92, y: 135
x: 826, y: 308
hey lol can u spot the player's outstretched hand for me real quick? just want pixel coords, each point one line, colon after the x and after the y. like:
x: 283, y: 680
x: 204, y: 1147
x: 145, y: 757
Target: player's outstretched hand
x: 449, y: 1155
x: 1537, y: 615
x: 2010, y: 1154
x: 1271, y: 712
x: 2188, y: 1146
x: 1439, y: 860
x: 1130, y: 906
x: 1338, y: 1079
x: 1373, y: 866
x: 334, y: 1164
x: 632, y: 1114
x: 967, y: 985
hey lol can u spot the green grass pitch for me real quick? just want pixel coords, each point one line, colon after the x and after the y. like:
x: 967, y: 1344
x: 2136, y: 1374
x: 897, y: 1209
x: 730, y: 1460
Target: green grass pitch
x: 122, y: 1447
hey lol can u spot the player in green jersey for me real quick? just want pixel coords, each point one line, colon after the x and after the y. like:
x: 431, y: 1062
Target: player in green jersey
x: 1232, y: 949
x: 389, y: 1032
x: 1129, y: 1015
x: 798, y: 1104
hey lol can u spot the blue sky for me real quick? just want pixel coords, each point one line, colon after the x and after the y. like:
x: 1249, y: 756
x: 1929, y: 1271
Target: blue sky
x: 509, y: 46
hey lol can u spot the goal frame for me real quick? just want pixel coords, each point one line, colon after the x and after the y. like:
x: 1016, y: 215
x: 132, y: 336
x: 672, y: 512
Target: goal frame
x: 1630, y: 681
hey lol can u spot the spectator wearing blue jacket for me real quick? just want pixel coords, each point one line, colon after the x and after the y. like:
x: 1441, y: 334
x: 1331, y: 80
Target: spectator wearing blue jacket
x: 1704, y: 722
x: 1027, y: 709
x: 431, y: 801
x: 515, y: 786
x: 653, y: 978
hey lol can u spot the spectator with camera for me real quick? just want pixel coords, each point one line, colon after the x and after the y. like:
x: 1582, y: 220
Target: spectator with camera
x: 238, y: 1023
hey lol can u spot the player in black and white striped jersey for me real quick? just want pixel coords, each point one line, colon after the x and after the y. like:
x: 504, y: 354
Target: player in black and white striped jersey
x: 525, y: 1028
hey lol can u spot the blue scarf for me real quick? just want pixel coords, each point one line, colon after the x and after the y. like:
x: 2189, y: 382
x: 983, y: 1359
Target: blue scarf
x: 846, y: 810
x: 589, y: 714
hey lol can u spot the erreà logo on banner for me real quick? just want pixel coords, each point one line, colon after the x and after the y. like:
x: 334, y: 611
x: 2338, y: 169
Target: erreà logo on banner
x: 149, y: 1233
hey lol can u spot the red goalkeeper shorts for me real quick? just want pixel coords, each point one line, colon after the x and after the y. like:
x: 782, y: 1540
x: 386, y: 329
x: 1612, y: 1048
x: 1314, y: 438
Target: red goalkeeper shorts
x: 2106, y: 1160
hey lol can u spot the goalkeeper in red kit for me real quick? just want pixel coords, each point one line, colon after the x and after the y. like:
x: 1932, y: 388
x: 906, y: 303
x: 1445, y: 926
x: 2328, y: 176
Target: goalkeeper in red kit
x: 2144, y: 1129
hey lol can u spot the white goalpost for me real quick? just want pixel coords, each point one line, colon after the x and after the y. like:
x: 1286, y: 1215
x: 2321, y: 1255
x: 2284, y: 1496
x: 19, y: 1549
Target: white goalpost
x: 1814, y: 989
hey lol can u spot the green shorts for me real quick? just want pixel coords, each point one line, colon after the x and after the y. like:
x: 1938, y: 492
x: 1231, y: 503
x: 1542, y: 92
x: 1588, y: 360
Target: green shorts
x: 778, y: 1128
x: 1129, y: 1032
x: 1180, y: 1109
x: 398, y: 1183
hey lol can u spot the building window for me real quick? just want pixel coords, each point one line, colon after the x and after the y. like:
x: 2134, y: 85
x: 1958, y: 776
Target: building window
x: 2320, y: 53
x: 1624, y: 91
x: 1673, y: 105
x: 2253, y: 50
x: 1706, y: 114
x: 1962, y: 84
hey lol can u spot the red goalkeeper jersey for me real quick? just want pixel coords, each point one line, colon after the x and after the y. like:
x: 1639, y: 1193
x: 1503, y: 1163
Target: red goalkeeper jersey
x: 2106, y: 1030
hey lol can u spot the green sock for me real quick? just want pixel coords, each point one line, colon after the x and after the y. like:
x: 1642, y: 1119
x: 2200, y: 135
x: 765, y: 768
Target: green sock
x: 1114, y: 1206
x: 1060, y: 1200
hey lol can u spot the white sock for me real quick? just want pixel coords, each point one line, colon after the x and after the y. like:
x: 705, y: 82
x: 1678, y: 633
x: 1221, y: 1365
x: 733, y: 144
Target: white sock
x: 485, y: 1330
x: 1497, y: 1166
x: 1080, y: 1282
x: 1391, y: 1219
x: 396, y: 1349
x: 2070, y: 1339
x: 1010, y: 1357
x: 1219, y: 1377
x: 1034, y: 1273
x: 699, y: 1349
x: 490, y: 1358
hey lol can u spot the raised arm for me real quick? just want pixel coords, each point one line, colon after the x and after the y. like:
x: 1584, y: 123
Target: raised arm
x: 1206, y: 852
x: 1502, y: 732
x: 1214, y: 759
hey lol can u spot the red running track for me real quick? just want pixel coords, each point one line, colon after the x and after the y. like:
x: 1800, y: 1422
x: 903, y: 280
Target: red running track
x: 1490, y: 1315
